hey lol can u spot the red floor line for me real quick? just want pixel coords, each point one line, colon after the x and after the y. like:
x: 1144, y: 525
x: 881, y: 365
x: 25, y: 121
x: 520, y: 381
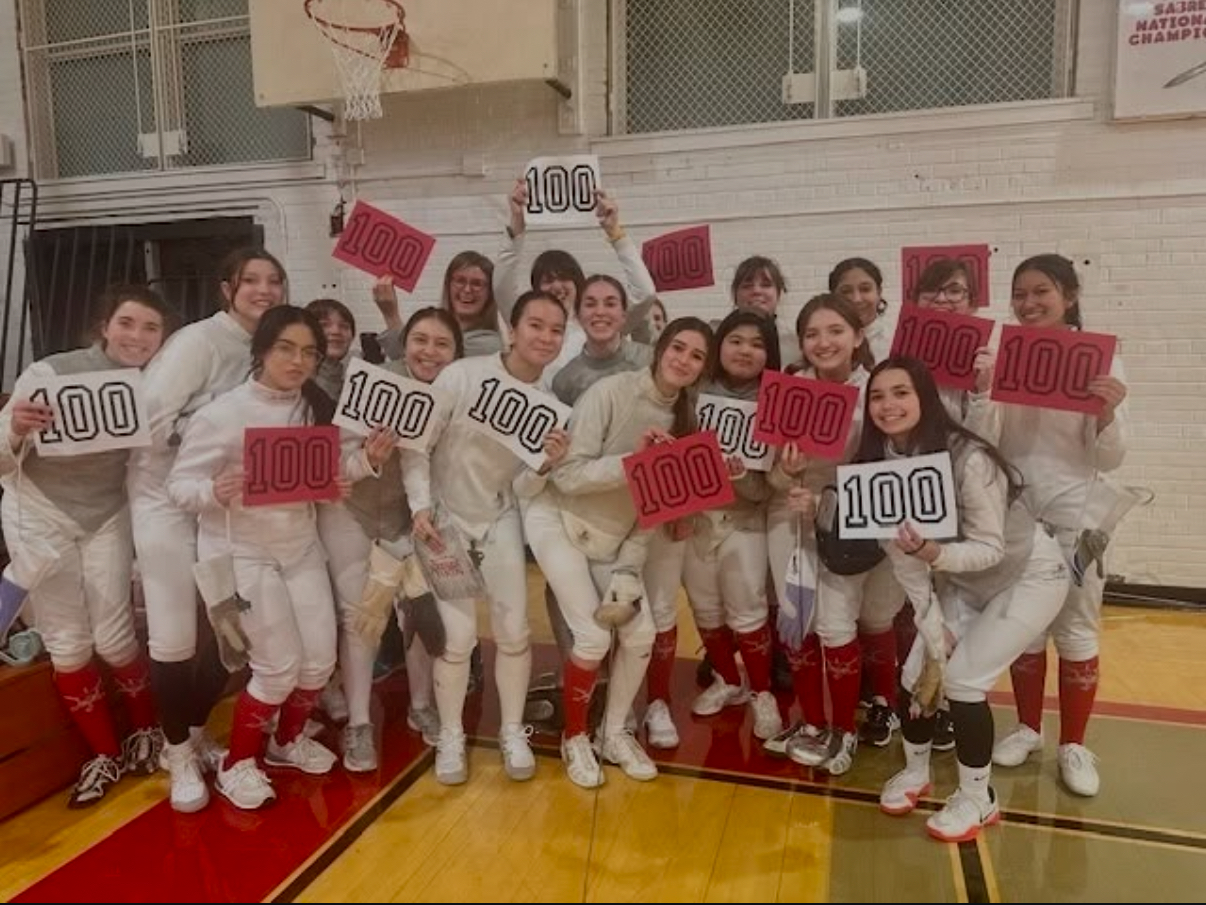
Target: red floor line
x: 1151, y: 713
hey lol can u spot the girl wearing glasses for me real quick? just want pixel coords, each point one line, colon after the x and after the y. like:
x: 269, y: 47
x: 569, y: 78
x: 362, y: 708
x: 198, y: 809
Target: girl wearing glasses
x: 279, y: 563
x: 200, y: 362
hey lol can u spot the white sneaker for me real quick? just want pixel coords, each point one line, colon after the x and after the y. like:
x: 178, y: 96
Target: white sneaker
x: 426, y: 722
x: 583, y: 768
x: 776, y: 745
x: 659, y: 726
x: 623, y: 749
x: 209, y: 753
x: 189, y: 793
x: 303, y: 754
x: 451, y: 768
x: 810, y: 747
x: 718, y: 696
x: 962, y: 817
x: 359, y: 748
x: 518, y: 760
x: 1078, y: 770
x: 1013, y: 749
x: 768, y: 722
x: 244, y: 785
x: 901, y: 793
x: 841, y: 752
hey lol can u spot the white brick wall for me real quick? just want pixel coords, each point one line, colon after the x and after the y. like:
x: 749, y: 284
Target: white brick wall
x: 1127, y: 202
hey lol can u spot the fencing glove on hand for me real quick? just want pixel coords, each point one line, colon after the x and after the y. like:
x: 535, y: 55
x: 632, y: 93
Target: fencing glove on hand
x: 370, y: 614
x: 420, y: 618
x: 621, y: 601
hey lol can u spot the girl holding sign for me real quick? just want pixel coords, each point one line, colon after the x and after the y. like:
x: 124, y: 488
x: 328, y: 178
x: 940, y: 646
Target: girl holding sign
x: 1002, y: 581
x: 377, y: 512
x: 1061, y: 455
x: 853, y: 611
x: 558, y: 272
x: 725, y: 569
x: 279, y: 562
x: 68, y: 519
x: 468, y: 475
x: 583, y: 533
x: 202, y: 361
x: 861, y: 283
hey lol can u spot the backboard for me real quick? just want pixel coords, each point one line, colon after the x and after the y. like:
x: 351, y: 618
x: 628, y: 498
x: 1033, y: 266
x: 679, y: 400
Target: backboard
x: 449, y: 43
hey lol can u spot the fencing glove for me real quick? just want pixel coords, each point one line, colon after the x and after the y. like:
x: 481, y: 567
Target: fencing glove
x: 621, y: 601
x: 215, y: 579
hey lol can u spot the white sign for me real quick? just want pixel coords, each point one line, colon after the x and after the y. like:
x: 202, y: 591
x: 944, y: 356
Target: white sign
x: 374, y: 396
x: 875, y: 498
x: 516, y: 415
x: 561, y: 190
x: 733, y: 421
x: 94, y: 412
x: 1160, y: 59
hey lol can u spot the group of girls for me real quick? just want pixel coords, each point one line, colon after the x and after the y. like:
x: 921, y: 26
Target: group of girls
x: 307, y: 569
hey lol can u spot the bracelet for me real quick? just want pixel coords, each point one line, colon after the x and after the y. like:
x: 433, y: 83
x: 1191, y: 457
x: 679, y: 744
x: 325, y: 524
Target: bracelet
x: 917, y: 549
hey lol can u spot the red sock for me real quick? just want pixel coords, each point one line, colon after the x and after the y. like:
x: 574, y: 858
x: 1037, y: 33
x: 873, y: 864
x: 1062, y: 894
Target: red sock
x: 906, y: 630
x: 83, y: 691
x: 808, y: 680
x: 661, y: 665
x: 579, y: 685
x: 843, y: 665
x: 1077, y: 691
x: 755, y: 649
x: 879, y: 659
x: 251, y: 717
x: 133, y: 682
x: 294, y: 713
x: 1029, y: 674
x: 718, y: 642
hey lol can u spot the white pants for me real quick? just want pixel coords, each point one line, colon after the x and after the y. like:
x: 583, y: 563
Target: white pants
x: 83, y: 604
x: 579, y: 584
x: 291, y: 622
x: 348, y: 549
x: 1076, y: 630
x: 165, y: 541
x: 846, y: 603
x: 504, y: 568
x: 726, y: 584
x: 992, y: 638
x: 663, y: 576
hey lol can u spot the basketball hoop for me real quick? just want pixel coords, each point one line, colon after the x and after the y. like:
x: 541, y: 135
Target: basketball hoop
x: 366, y: 36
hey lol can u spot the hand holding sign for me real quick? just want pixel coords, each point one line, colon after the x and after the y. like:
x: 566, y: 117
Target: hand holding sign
x: 681, y: 259
x: 946, y: 343
x: 94, y: 412
x: 915, y: 258
x: 1052, y: 368
x: 518, y: 416
x: 670, y: 480
x: 733, y: 422
x: 290, y: 465
x: 377, y: 243
x: 814, y: 414
x: 876, y: 498
x: 373, y: 396
x: 561, y: 191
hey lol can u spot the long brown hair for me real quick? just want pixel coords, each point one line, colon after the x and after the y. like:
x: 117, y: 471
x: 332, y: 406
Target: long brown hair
x: 236, y: 262
x: 827, y: 301
x: 685, y: 421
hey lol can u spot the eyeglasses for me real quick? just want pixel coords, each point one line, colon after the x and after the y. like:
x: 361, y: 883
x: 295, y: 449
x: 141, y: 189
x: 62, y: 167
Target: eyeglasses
x: 463, y: 283
x: 952, y: 292
x: 286, y: 349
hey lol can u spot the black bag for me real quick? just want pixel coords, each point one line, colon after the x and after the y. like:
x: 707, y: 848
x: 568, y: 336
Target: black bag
x: 842, y: 556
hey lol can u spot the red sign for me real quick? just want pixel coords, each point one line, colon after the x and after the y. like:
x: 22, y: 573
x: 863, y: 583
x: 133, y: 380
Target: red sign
x: 377, y: 243
x: 915, y: 258
x: 681, y: 259
x: 671, y: 480
x: 946, y: 342
x: 290, y: 465
x: 816, y: 415
x: 1052, y: 368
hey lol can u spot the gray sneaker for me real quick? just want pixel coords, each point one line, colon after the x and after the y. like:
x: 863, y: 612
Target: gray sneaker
x: 359, y: 748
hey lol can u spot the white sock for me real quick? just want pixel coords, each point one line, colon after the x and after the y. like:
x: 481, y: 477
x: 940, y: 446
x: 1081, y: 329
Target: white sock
x: 917, y: 757
x: 418, y: 674
x: 512, y: 674
x: 451, y: 682
x: 628, y: 668
x: 356, y: 661
x: 974, y: 781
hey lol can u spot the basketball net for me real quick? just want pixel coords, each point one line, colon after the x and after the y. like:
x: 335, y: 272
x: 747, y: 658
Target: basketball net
x: 364, y: 35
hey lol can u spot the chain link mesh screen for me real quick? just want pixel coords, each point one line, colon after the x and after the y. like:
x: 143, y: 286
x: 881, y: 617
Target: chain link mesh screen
x: 691, y: 64
x: 122, y: 86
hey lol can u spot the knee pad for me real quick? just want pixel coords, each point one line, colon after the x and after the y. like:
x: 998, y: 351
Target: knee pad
x: 592, y: 645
